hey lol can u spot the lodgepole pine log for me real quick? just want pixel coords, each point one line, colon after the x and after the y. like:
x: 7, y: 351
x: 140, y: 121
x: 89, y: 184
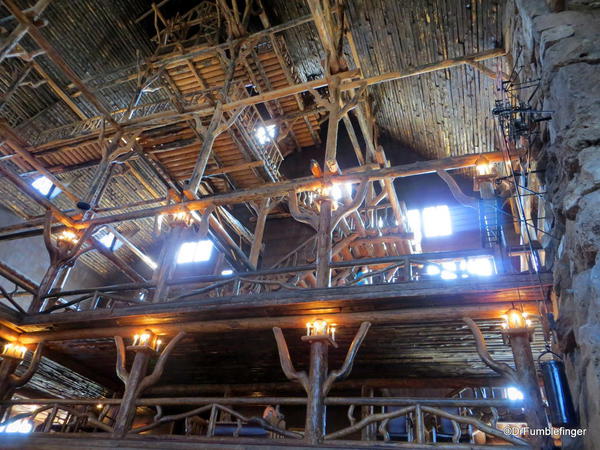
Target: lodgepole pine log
x: 524, y: 376
x: 9, y: 381
x: 319, y: 380
x: 136, y: 380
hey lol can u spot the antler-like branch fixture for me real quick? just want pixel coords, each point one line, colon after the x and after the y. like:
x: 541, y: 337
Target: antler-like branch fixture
x: 21, y: 380
x: 335, y: 375
x: 159, y: 368
x: 122, y: 372
x: 500, y: 367
x: 344, y: 371
x: 286, y: 362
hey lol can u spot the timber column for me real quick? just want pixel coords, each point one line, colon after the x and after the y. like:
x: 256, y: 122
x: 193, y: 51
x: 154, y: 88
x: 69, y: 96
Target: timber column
x: 520, y: 343
x: 314, y: 429
x: 145, y: 346
x: 179, y: 222
x: 12, y: 356
x: 324, y: 242
x: 320, y: 334
x: 126, y: 412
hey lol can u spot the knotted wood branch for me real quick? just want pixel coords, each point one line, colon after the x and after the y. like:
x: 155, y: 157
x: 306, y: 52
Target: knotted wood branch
x: 52, y: 250
x: 286, y: 362
x: 500, y: 367
x: 306, y: 217
x: 344, y: 371
x: 159, y: 368
x: 19, y: 381
x: 459, y: 195
x: 122, y: 372
x: 205, y: 220
x: 344, y: 212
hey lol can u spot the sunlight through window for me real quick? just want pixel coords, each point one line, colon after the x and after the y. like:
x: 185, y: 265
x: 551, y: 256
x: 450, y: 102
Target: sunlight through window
x: 18, y: 426
x: 108, y: 239
x: 197, y: 251
x: 265, y: 134
x: 414, y: 221
x: 339, y: 190
x: 514, y: 394
x: 436, y: 221
x: 480, y: 266
x: 45, y: 187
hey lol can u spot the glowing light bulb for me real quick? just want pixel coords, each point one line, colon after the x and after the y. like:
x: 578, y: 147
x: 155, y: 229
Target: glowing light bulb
x: 483, y: 166
x: 515, y: 319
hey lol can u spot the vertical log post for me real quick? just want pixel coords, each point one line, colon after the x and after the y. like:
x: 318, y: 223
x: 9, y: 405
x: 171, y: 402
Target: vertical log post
x: 324, y: 243
x: 314, y: 430
x: 368, y: 433
x: 126, y: 413
x: 9, y: 381
x: 63, y: 253
x: 527, y: 378
x: 167, y: 260
x: 259, y: 231
x: 319, y: 380
x: 136, y: 380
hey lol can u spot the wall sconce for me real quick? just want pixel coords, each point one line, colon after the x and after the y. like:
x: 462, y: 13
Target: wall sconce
x: 483, y: 166
x: 146, y: 341
x: 14, y: 351
x: 320, y: 329
x: 67, y: 237
x: 516, y: 321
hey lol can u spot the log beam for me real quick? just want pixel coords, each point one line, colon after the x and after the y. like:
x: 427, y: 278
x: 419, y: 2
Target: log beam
x: 92, y: 324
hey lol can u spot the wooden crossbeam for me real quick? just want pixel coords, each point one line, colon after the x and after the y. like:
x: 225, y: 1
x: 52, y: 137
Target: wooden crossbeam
x: 56, y: 58
x: 349, y: 80
x: 302, y: 184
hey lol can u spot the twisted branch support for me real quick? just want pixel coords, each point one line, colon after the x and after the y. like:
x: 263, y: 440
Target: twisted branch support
x: 136, y: 380
x: 9, y: 381
x: 459, y: 195
x: 344, y: 371
x: 524, y: 376
x: 319, y: 381
x: 499, y: 367
x: 60, y: 258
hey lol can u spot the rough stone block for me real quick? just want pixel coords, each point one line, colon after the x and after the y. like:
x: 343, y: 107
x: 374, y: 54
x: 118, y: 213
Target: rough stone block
x: 575, y: 99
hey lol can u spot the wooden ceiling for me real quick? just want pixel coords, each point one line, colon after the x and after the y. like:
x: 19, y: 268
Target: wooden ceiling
x: 439, y: 114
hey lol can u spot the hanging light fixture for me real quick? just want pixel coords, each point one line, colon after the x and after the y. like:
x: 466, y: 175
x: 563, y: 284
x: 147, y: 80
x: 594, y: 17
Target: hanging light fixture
x: 483, y: 166
x: 67, y: 237
x: 146, y: 341
x: 516, y: 322
x: 14, y: 351
x: 515, y: 319
x: 321, y: 328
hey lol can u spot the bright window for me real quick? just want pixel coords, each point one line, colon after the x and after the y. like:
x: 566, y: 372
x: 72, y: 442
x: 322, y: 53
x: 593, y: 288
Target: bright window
x: 18, y: 426
x: 514, y: 394
x: 339, y: 190
x: 436, y: 221
x: 227, y: 272
x: 108, y: 239
x: 195, y: 251
x: 265, y: 134
x: 45, y: 187
x: 481, y: 266
x: 414, y: 221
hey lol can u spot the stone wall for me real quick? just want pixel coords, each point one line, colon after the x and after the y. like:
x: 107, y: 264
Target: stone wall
x: 563, y: 49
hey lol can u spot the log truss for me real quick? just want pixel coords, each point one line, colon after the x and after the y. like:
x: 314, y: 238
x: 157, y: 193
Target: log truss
x: 205, y: 138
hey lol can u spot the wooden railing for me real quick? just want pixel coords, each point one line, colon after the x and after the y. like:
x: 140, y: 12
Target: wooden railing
x: 406, y: 269
x: 399, y: 422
